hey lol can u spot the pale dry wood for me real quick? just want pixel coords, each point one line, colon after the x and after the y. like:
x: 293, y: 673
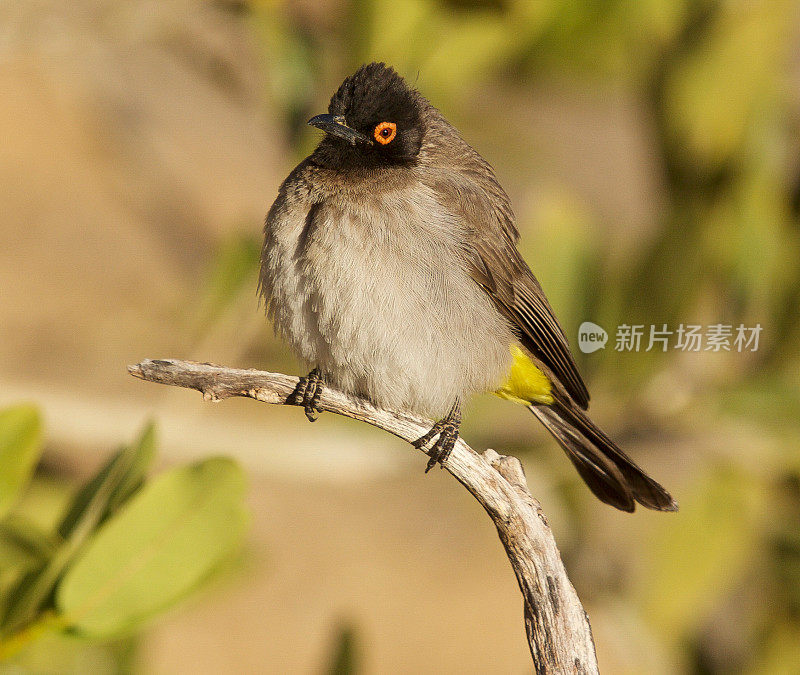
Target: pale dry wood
x: 558, y: 630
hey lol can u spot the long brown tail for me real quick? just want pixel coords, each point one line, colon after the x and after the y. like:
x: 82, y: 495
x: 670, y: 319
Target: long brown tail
x: 610, y: 473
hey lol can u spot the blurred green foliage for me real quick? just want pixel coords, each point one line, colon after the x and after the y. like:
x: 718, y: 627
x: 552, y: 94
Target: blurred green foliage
x: 232, y: 273
x: 20, y: 441
x: 153, y: 553
x: 124, y: 549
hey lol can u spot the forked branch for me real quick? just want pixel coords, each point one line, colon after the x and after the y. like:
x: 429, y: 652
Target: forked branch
x: 558, y: 630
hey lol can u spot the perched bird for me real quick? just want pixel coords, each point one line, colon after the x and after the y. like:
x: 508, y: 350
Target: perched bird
x: 390, y: 265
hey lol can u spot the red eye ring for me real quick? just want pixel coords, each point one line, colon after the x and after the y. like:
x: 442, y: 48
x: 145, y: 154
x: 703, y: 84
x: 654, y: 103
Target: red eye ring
x: 385, y: 132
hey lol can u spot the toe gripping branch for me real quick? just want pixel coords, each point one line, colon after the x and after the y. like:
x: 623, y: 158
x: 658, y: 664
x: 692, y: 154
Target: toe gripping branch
x: 308, y: 391
x: 447, y: 432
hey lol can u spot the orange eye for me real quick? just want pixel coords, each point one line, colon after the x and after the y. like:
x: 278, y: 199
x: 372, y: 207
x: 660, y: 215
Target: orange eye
x: 385, y: 132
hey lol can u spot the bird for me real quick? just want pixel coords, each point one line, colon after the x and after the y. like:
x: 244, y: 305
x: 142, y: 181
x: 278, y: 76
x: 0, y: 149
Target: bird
x: 390, y: 266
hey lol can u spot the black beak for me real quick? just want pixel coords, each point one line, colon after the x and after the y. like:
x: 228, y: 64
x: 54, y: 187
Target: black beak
x: 335, y: 126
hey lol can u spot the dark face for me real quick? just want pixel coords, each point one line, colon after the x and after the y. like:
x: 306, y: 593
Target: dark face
x: 374, y: 118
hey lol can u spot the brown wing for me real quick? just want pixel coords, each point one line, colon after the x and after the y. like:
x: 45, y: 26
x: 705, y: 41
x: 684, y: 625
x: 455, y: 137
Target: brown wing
x: 483, y: 208
x: 506, y: 277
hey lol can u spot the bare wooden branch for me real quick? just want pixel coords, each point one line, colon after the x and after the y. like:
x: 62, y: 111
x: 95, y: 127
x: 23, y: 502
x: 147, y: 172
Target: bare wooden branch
x: 558, y: 630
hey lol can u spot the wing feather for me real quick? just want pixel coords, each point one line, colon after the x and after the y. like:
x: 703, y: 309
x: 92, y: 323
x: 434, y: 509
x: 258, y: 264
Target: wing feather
x: 482, y: 207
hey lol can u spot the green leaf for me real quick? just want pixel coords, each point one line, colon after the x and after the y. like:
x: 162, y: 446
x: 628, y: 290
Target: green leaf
x: 129, y: 466
x: 23, y: 544
x: 155, y: 550
x: 23, y: 547
x: 92, y: 504
x: 20, y: 447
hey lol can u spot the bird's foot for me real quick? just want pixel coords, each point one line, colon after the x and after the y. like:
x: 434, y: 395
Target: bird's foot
x: 447, y: 432
x: 307, y: 394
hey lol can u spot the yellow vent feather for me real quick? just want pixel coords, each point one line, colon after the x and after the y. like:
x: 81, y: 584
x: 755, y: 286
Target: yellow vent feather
x: 525, y: 383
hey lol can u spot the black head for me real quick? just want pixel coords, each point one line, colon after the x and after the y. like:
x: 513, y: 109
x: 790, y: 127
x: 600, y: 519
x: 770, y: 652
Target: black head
x: 373, y: 118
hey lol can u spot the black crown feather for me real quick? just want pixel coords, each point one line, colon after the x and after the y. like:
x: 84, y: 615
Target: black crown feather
x: 375, y: 93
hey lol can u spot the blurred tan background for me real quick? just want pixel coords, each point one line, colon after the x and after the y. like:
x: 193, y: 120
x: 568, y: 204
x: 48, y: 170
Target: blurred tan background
x: 651, y: 153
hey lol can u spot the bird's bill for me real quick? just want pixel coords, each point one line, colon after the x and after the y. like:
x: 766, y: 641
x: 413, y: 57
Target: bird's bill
x: 335, y: 126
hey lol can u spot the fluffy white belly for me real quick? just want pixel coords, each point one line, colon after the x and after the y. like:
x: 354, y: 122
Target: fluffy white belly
x: 379, y: 300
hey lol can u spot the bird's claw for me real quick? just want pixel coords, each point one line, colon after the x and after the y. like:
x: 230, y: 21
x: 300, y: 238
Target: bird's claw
x: 447, y: 432
x: 307, y: 394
